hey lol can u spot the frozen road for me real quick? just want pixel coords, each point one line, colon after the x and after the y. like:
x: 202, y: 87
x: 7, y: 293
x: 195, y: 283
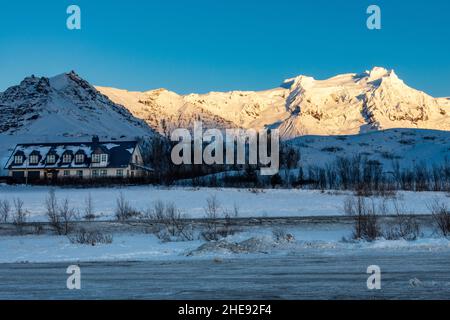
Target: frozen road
x: 318, y: 275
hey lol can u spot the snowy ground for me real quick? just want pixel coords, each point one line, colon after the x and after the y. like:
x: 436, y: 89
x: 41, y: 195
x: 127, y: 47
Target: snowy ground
x: 253, y: 242
x: 325, y: 234
x: 404, y: 275
x: 192, y: 201
x: 317, y: 265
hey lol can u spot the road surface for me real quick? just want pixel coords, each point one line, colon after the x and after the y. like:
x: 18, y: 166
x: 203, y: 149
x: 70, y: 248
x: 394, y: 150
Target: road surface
x: 317, y: 275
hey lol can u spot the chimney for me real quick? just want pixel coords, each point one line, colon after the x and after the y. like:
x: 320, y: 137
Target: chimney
x: 95, y: 139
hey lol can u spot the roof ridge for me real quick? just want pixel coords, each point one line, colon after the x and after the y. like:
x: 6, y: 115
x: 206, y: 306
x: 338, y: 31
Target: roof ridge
x: 73, y: 143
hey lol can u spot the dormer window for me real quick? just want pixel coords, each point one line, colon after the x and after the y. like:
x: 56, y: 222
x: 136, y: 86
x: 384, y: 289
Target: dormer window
x: 99, y: 157
x: 95, y: 158
x: 67, y: 158
x: 34, y: 159
x: 18, y: 159
x: 79, y: 158
x: 51, y: 159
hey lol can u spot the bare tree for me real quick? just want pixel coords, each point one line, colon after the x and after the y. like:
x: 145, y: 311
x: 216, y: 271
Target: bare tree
x: 124, y: 210
x: 67, y: 216
x: 171, y: 223
x: 212, y: 214
x: 177, y: 222
x: 60, y: 216
x: 229, y: 225
x: 365, y: 216
x: 157, y: 213
x: 441, y: 216
x: 219, y: 222
x: 89, y: 213
x: 5, y: 210
x: 19, y: 215
x: 405, y: 226
x: 51, y: 205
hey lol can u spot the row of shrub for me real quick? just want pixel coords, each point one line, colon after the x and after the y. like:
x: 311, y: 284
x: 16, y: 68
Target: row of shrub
x: 366, y: 220
x: 168, y: 222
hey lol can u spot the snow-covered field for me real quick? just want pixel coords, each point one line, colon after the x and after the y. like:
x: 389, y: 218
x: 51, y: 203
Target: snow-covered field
x: 130, y: 246
x: 192, y: 201
x: 253, y: 243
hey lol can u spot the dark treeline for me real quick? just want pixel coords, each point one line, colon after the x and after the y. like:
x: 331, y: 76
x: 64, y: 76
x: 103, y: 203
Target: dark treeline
x: 368, y: 176
x: 358, y: 173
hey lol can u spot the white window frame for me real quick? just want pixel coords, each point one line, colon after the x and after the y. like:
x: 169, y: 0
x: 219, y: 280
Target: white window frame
x: 104, y: 157
x: 18, y: 159
x: 34, y: 157
x: 103, y: 173
x: 66, y: 173
x: 95, y: 173
x: 119, y: 173
x: 96, y: 158
x: 79, y: 158
x: 67, y: 158
x: 51, y: 156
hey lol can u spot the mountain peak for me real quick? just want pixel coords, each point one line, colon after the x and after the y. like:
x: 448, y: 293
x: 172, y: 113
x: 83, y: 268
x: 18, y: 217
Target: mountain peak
x: 347, y: 103
x: 63, y: 80
x: 379, y: 73
x: 64, y: 105
x: 300, y: 80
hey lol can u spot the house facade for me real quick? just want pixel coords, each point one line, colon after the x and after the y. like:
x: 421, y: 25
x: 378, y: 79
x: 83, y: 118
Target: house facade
x: 77, y: 160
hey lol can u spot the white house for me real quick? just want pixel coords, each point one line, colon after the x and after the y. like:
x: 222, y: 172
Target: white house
x: 76, y: 160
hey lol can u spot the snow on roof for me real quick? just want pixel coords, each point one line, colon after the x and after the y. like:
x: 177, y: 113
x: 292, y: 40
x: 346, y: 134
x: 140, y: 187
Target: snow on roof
x: 110, y: 145
x: 119, y: 153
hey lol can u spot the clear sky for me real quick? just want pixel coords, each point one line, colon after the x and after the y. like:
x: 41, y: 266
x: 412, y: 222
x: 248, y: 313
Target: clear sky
x: 215, y: 45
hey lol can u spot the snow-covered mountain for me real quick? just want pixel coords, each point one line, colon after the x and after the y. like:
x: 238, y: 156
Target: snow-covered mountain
x: 66, y: 107
x: 62, y: 108
x: 344, y: 104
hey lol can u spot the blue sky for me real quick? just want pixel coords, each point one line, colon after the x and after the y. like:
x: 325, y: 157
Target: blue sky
x: 216, y: 45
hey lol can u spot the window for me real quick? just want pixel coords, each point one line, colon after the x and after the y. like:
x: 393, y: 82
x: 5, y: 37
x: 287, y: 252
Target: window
x: 51, y: 158
x: 79, y: 158
x: 67, y: 158
x: 18, y: 159
x: 103, y: 173
x: 119, y: 172
x: 34, y: 159
x: 95, y: 158
x: 104, y: 157
x: 132, y: 174
x: 66, y: 173
x: 95, y: 173
x: 80, y: 173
